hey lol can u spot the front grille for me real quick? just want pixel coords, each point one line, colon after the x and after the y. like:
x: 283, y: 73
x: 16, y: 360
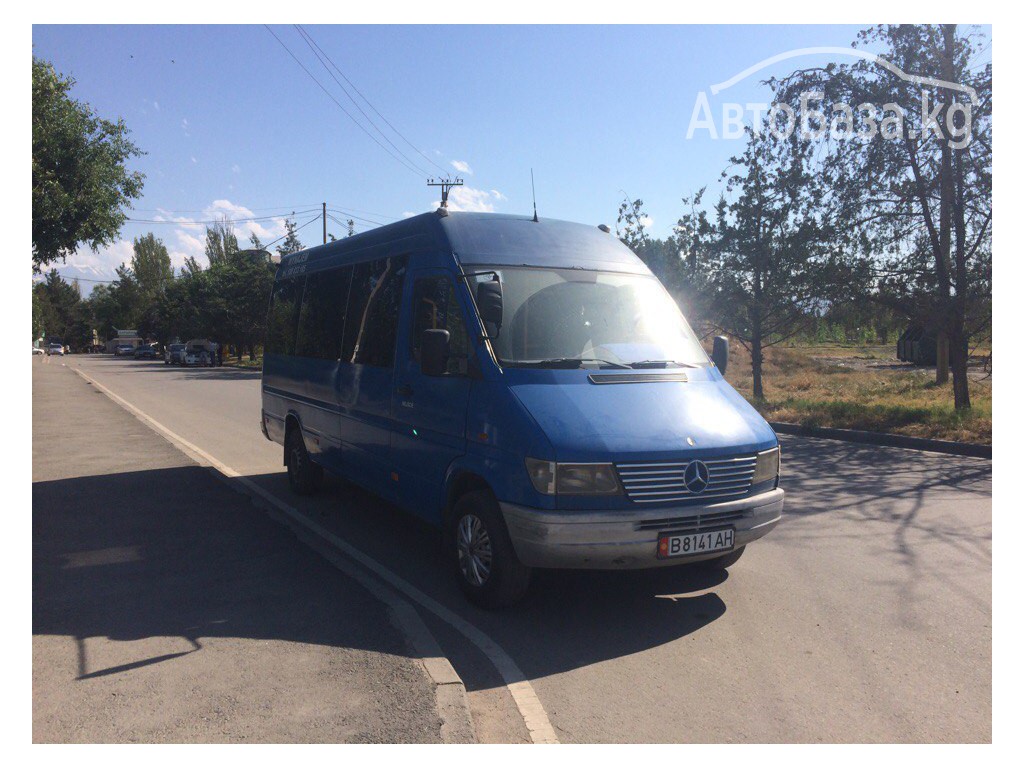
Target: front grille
x: 692, y: 524
x: 662, y: 482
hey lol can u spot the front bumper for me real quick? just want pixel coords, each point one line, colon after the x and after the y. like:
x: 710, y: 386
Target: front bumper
x: 620, y: 539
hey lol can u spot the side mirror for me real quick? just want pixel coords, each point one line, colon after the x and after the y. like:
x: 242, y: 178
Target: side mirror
x: 489, y: 303
x: 720, y: 354
x: 434, y: 347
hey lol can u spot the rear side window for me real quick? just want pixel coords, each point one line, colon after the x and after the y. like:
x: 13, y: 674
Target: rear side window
x: 435, y: 307
x: 322, y: 317
x: 372, y: 318
x: 283, y: 320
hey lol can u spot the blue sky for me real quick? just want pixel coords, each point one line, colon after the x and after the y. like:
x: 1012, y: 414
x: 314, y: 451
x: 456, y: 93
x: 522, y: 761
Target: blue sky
x: 232, y: 125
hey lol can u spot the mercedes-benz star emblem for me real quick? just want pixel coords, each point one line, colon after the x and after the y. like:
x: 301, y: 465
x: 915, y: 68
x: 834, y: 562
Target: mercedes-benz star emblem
x: 696, y: 477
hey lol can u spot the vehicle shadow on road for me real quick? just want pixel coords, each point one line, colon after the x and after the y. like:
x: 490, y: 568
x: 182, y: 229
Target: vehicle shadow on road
x: 569, y: 619
x: 175, y: 552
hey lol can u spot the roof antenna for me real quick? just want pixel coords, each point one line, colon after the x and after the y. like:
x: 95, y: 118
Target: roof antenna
x: 446, y: 187
x: 534, y: 188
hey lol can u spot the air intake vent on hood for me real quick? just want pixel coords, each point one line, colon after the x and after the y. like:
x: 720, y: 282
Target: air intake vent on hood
x: 634, y: 378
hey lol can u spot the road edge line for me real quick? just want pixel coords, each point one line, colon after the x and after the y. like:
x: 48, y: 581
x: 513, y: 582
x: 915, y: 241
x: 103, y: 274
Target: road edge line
x: 523, y: 694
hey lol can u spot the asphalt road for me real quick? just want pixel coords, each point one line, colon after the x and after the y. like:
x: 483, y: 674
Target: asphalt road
x: 167, y: 608
x: 864, y: 617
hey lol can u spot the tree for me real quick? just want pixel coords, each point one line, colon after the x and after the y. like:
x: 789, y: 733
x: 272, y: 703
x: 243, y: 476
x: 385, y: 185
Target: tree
x: 81, y: 186
x: 151, y: 264
x: 59, y: 312
x: 291, y: 243
x: 768, y: 260
x: 221, y: 241
x: 920, y: 201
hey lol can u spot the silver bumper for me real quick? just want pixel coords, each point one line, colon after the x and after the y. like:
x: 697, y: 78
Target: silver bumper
x: 622, y: 539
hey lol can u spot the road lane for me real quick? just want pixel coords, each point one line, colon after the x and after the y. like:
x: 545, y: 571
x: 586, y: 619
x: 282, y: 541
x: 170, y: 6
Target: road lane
x: 866, y: 616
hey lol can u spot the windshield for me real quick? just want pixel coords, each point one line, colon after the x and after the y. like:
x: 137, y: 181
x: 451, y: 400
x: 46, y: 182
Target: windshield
x: 582, y: 318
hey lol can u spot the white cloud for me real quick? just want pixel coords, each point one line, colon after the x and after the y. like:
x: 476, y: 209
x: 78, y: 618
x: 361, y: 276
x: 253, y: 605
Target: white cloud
x: 647, y: 221
x: 235, y: 168
x: 185, y: 126
x: 194, y: 161
x: 462, y: 166
x: 498, y: 195
x: 471, y: 199
x: 101, y: 264
x: 156, y: 105
x: 407, y: 214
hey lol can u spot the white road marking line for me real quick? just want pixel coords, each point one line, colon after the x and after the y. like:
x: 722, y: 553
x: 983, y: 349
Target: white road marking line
x: 522, y: 692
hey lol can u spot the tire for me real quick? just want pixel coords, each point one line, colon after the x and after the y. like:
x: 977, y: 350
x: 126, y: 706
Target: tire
x: 482, y: 554
x: 726, y: 560
x: 304, y: 476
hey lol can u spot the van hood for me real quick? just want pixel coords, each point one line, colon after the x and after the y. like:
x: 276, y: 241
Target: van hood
x: 644, y: 421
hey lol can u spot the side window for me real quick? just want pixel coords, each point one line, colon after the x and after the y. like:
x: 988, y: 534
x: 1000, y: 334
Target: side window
x: 374, y: 303
x: 283, y: 318
x: 435, y: 306
x: 322, y: 318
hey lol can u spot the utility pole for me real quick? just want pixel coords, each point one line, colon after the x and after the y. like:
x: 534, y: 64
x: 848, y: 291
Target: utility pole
x: 446, y: 186
x: 325, y: 223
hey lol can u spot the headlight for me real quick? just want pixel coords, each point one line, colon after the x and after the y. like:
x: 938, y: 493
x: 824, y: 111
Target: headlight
x: 767, y: 466
x: 572, y: 479
x: 542, y: 475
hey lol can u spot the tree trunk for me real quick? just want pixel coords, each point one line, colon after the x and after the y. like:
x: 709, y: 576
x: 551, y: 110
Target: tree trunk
x: 958, y: 356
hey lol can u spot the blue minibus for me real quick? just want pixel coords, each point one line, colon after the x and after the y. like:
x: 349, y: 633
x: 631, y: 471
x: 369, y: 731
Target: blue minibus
x: 526, y: 385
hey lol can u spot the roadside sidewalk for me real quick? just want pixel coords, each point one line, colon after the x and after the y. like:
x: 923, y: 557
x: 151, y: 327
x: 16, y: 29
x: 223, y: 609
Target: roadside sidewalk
x: 165, y: 607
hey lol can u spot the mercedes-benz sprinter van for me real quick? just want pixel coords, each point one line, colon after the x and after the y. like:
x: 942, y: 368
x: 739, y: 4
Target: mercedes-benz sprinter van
x: 528, y: 386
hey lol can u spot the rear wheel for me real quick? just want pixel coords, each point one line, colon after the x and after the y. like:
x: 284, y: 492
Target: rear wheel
x: 304, y: 476
x: 726, y: 560
x: 486, y: 565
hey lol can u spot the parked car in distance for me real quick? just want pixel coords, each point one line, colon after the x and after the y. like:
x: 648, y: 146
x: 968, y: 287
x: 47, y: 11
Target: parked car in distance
x: 55, y: 349
x: 38, y: 351
x: 527, y: 386
x: 122, y: 350
x: 174, y: 354
x: 200, y: 352
x: 145, y: 352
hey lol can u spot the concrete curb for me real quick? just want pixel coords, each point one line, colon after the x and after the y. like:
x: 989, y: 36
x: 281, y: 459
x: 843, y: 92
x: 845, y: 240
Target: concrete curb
x: 975, y: 450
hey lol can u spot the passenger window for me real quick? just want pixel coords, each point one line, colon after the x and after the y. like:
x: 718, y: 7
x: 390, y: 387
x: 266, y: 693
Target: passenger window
x: 435, y: 306
x: 374, y: 302
x: 322, y: 319
x: 283, y: 319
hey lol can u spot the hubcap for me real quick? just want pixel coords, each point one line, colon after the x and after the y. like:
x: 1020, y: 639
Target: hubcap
x: 474, y: 547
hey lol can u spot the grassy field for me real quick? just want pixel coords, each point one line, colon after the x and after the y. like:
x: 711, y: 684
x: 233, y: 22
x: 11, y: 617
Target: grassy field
x: 863, y: 388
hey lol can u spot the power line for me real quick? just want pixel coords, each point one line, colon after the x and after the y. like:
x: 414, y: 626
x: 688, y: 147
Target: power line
x: 315, y: 48
x: 282, y: 237
x: 357, y: 218
x: 370, y: 105
x: 285, y: 208
x: 340, y: 106
x: 219, y: 221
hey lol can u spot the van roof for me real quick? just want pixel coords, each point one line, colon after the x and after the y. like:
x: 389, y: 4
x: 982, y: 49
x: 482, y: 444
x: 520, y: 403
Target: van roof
x: 479, y: 239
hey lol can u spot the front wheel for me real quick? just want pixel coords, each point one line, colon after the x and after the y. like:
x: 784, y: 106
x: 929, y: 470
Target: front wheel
x: 486, y: 565
x: 304, y: 476
x: 726, y: 560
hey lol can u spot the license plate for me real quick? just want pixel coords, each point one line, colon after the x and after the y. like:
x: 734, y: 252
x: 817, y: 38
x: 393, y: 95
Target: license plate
x: 683, y: 544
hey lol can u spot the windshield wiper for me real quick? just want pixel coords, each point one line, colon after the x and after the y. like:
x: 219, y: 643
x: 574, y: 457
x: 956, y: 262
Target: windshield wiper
x: 661, y: 364
x: 566, y: 362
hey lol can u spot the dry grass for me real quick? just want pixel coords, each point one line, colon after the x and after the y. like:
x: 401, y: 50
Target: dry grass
x: 861, y: 393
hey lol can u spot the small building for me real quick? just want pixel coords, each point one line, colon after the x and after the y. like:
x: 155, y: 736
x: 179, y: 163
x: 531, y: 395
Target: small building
x: 124, y: 337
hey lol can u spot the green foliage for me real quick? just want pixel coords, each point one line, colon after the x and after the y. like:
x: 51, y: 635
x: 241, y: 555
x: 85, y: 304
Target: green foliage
x: 291, y: 243
x: 81, y: 186
x: 920, y: 207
